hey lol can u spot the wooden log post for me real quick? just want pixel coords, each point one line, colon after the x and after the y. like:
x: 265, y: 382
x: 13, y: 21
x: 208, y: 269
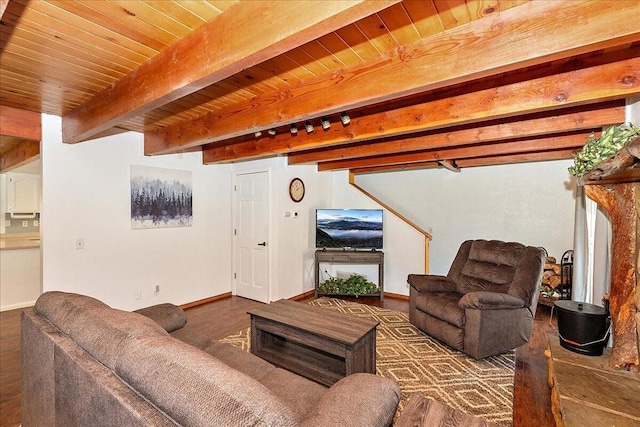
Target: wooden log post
x: 615, y: 185
x: 621, y: 201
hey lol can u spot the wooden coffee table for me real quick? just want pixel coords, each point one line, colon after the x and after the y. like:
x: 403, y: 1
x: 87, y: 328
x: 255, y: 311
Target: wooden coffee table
x: 322, y: 345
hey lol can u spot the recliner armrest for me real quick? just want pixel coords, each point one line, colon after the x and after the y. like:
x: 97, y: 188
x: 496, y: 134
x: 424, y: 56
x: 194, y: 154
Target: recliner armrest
x: 431, y: 283
x: 356, y: 400
x: 490, y: 301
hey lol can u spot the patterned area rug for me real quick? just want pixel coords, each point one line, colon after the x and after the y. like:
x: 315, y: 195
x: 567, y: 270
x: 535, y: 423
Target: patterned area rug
x: 422, y: 365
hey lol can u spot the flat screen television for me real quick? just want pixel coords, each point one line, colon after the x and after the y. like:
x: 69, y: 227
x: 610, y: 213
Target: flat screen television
x: 349, y: 228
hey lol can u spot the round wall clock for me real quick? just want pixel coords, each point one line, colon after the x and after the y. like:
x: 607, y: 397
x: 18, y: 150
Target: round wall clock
x: 296, y: 189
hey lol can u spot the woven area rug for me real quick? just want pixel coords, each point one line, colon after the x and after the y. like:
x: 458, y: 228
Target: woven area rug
x: 422, y: 365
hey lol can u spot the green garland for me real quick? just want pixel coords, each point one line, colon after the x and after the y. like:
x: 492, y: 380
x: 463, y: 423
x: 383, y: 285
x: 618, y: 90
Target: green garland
x: 599, y: 149
x: 355, y: 285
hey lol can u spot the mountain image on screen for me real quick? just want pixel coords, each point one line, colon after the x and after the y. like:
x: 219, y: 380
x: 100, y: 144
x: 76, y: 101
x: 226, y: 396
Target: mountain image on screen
x: 349, y: 228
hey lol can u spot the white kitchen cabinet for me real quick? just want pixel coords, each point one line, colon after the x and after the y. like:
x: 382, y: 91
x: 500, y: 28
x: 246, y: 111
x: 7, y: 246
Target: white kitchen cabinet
x: 23, y: 194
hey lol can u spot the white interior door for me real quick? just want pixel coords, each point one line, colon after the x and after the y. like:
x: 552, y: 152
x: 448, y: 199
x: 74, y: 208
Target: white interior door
x: 251, y: 233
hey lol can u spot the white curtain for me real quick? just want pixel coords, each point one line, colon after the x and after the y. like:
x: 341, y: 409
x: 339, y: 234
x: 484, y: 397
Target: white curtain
x: 591, y: 251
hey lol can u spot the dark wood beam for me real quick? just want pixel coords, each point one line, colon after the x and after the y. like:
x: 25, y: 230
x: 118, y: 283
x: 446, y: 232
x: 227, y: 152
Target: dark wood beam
x: 573, y: 141
x: 578, y: 118
x: 519, y: 37
x: 21, y: 154
x: 478, y: 161
x: 545, y: 156
x: 213, y: 52
x: 20, y: 123
x: 600, y: 83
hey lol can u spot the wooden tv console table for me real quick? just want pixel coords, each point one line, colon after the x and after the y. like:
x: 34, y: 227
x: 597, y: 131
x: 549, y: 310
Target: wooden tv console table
x: 350, y: 257
x: 319, y: 344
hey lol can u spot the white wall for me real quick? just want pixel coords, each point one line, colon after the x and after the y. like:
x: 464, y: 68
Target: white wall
x: 531, y: 203
x: 86, y: 195
x: 403, y: 245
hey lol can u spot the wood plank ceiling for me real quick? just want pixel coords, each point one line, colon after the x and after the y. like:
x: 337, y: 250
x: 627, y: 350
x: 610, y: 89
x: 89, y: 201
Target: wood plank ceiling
x: 424, y: 82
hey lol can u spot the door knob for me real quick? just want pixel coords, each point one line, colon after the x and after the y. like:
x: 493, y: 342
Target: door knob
x: 262, y: 244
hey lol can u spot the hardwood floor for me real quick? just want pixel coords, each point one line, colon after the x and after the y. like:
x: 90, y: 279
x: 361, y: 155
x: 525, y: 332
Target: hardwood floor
x: 218, y: 319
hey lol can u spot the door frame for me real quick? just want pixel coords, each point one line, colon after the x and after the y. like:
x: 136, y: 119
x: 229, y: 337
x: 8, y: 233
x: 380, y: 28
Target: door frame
x: 270, y: 235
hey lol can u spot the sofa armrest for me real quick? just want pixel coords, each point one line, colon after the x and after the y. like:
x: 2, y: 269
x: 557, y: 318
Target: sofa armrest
x: 490, y: 301
x: 357, y: 400
x: 431, y: 283
x: 169, y: 316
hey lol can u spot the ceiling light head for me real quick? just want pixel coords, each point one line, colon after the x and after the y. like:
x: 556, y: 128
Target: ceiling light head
x: 344, y: 118
x: 308, y: 126
x: 326, y: 124
x: 293, y: 129
x: 272, y: 131
x: 258, y: 134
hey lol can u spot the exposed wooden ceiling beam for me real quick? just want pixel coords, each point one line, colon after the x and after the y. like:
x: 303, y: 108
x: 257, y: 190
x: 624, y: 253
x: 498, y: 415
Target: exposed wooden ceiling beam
x: 578, y: 118
x: 213, y: 52
x: 478, y: 161
x: 599, y: 83
x: 23, y: 153
x: 571, y: 141
x: 20, y: 123
x: 516, y: 38
x: 544, y: 156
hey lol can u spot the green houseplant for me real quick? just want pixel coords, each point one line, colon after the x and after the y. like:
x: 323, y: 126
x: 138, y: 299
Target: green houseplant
x: 355, y: 285
x: 598, y: 149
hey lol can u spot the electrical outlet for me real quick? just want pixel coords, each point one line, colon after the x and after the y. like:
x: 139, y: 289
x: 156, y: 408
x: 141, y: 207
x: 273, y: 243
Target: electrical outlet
x: 25, y: 223
x: 156, y: 291
x: 7, y: 223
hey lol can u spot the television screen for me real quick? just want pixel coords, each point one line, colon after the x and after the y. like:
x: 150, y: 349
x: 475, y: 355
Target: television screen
x: 349, y: 228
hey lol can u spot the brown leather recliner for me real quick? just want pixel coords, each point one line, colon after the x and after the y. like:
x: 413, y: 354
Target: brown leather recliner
x: 485, y: 305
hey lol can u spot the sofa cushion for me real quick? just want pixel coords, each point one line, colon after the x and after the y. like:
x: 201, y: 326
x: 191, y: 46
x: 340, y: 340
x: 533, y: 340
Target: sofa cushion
x: 441, y: 305
x: 297, y: 392
x: 239, y: 359
x: 87, y: 393
x: 101, y: 331
x: 196, y: 389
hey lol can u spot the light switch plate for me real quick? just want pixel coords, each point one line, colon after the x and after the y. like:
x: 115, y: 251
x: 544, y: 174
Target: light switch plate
x: 35, y: 223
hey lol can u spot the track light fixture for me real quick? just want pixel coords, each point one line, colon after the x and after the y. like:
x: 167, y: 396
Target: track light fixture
x: 272, y: 131
x: 293, y: 129
x: 258, y: 134
x: 326, y: 124
x: 308, y: 126
x: 344, y: 118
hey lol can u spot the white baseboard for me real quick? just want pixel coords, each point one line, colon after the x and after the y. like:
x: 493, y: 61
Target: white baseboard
x: 17, y: 306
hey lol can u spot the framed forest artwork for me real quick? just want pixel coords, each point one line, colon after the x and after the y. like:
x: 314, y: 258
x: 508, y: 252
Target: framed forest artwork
x: 160, y: 197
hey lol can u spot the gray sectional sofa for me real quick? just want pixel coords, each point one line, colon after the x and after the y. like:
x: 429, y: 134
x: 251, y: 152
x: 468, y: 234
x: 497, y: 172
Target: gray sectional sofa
x: 86, y: 364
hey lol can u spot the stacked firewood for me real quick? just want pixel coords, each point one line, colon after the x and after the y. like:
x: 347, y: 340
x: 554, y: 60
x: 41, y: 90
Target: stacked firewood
x: 551, y: 275
x: 551, y: 278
